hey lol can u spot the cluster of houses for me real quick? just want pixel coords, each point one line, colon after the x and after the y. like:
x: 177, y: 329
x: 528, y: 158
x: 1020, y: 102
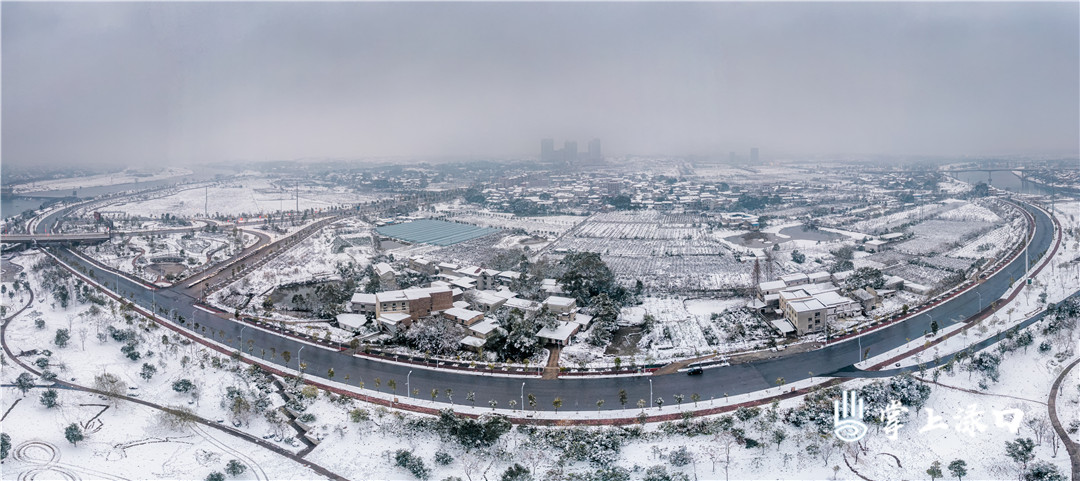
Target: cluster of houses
x: 808, y: 302
x: 468, y: 296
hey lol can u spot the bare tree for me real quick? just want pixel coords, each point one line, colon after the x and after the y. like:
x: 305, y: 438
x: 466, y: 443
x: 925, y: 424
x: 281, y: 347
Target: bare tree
x: 827, y: 449
x: 1038, y: 425
x: 532, y: 455
x: 110, y: 385
x: 83, y: 332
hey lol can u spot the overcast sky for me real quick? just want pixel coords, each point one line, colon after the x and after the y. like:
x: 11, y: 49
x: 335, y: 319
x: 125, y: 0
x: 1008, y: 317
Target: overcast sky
x: 154, y: 83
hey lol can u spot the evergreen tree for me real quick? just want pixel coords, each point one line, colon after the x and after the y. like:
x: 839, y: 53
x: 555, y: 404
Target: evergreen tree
x: 62, y: 337
x: 48, y: 398
x: 935, y: 470
x: 958, y: 468
x: 73, y: 434
x: 5, y: 445
x: 1020, y: 451
x: 24, y: 383
x: 235, y: 468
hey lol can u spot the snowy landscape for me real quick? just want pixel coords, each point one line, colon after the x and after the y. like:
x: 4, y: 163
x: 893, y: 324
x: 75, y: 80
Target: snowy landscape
x: 540, y: 241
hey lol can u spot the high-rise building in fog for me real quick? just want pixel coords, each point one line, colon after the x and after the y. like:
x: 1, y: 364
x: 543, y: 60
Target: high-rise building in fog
x: 594, y: 150
x: 547, y: 150
x: 569, y: 151
x: 731, y: 157
x: 754, y: 156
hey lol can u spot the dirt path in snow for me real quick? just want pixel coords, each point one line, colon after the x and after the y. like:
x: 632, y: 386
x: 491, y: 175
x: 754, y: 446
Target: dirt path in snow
x: 200, y: 420
x: 972, y: 391
x: 1071, y: 447
x: 552, y: 369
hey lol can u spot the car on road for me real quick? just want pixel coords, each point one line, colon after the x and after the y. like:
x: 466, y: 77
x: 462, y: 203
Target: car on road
x: 695, y: 371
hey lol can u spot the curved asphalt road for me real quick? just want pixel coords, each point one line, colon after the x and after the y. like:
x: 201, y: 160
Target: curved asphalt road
x: 582, y: 393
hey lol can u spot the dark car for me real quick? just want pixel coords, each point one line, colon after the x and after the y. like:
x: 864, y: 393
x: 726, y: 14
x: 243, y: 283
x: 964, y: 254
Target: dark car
x: 695, y: 371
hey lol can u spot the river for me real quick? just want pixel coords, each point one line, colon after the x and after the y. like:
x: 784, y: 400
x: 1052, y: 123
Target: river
x: 1005, y: 181
x: 34, y: 200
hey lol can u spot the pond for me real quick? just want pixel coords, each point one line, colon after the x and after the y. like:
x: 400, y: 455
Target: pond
x: 282, y: 296
x: 801, y: 232
x: 625, y: 341
x: 760, y: 240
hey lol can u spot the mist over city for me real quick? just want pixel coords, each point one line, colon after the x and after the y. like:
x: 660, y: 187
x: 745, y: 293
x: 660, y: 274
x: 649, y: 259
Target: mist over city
x: 533, y: 241
x: 131, y: 84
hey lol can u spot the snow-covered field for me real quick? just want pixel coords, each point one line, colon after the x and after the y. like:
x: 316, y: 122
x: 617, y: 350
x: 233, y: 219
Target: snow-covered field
x: 666, y: 252
x: 126, y: 441
x: 545, y: 225
x: 132, y: 441
x: 251, y: 196
x: 313, y: 258
x: 119, y: 447
x: 132, y: 254
x: 125, y: 177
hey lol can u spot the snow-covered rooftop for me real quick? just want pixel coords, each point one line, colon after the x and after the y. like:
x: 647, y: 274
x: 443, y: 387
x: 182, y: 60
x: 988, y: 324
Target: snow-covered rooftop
x: 561, y: 333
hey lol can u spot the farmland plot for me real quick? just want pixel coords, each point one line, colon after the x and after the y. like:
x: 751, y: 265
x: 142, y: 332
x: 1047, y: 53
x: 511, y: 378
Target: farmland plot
x: 888, y: 222
x: 941, y: 236
x: 668, y: 252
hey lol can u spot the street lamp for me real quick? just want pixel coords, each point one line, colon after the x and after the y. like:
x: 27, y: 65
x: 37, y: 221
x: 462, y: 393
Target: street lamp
x: 298, y: 358
x: 408, y: 391
x: 523, y: 396
x: 980, y: 300
x: 650, y: 393
x: 242, y: 339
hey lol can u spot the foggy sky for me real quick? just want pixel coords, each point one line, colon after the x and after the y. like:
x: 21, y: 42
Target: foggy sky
x: 182, y: 83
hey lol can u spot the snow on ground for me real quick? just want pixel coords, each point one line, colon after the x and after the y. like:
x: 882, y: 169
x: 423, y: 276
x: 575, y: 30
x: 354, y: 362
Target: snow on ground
x: 125, y: 177
x: 250, y: 196
x: 363, y: 447
x: 133, y: 254
x: 542, y: 225
x: 125, y: 441
x: 683, y: 328
x: 316, y: 257
x: 667, y: 252
x: 93, y: 350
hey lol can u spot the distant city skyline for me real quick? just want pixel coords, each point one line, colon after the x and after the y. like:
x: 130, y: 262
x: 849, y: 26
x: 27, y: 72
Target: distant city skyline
x: 150, y: 84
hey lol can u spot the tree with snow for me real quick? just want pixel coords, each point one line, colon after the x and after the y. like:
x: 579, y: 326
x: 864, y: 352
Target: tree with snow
x: 235, y: 468
x: 148, y: 371
x: 437, y: 336
x: 24, y: 383
x: 865, y: 277
x: 215, y: 476
x: 1043, y: 471
x: 183, y: 386
x: 5, y: 445
x: 48, y: 398
x: 1020, y: 451
x: 516, y: 472
x: 587, y: 276
x: 935, y: 470
x: 62, y: 337
x: 958, y: 468
x: 73, y: 434
x: 796, y: 257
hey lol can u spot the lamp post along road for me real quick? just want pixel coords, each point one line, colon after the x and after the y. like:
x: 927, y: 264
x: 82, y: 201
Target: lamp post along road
x: 298, y: 359
x: 523, y: 396
x: 408, y: 390
x: 650, y: 393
